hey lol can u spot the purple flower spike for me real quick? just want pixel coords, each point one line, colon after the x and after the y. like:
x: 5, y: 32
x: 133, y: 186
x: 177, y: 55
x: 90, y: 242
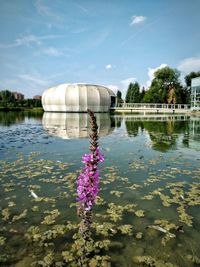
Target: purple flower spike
x: 88, y: 180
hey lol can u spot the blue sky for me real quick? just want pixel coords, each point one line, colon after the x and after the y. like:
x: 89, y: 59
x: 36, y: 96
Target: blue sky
x: 109, y: 42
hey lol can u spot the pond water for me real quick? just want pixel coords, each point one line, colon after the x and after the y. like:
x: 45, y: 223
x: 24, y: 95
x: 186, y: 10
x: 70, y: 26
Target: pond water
x: 147, y: 211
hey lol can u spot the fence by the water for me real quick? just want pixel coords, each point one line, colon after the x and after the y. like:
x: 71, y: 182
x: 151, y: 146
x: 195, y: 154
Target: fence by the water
x: 151, y: 107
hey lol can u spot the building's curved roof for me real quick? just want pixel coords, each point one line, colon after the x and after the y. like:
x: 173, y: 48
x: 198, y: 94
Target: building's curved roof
x: 78, y: 97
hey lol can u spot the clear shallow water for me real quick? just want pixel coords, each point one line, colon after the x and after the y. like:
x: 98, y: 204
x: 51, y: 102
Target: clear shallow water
x: 148, y: 205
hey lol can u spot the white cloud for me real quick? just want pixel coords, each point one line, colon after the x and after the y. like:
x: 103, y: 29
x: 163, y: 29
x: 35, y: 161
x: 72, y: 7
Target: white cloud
x: 125, y: 83
x: 81, y: 7
x: 137, y: 20
x: 109, y: 66
x: 33, y: 79
x: 28, y: 40
x: 45, y: 10
x: 81, y: 30
x: 189, y: 64
x: 52, y: 51
x: 151, y: 72
x: 114, y: 88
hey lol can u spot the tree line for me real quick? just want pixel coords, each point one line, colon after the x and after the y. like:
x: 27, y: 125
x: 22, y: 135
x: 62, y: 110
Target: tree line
x: 8, y: 101
x: 166, y: 88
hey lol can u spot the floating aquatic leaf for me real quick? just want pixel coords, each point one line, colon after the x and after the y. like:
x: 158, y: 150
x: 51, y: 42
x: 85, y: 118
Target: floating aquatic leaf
x: 11, y: 204
x: 116, y: 193
x: 152, y: 262
x: 97, y: 261
x: 139, y: 213
x: 148, y: 197
x: 115, y: 212
x: 105, y: 229
x: 50, y: 219
x: 139, y: 235
x: 99, y: 201
x: 67, y: 256
x: 6, y: 214
x: 20, y: 216
x: 184, y: 217
x: 134, y: 186
x: 35, y: 208
x: 126, y: 229
x: 47, y: 261
x: 2, y: 240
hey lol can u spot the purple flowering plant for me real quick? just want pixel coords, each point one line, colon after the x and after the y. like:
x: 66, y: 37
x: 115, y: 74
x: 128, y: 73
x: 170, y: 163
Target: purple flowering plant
x: 87, y: 190
x: 88, y: 180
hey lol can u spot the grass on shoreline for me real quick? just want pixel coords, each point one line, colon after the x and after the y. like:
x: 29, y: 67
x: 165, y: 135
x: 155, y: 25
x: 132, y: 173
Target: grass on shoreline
x: 35, y: 109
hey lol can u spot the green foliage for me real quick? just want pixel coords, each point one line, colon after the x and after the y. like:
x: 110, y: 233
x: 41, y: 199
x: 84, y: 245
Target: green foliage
x: 142, y: 94
x: 190, y: 76
x: 133, y: 93
x: 119, y: 94
x: 119, y: 97
x: 8, y: 101
x: 166, y: 88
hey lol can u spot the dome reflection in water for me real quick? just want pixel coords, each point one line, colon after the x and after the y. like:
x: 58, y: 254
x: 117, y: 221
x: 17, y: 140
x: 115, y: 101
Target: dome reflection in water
x: 75, y: 125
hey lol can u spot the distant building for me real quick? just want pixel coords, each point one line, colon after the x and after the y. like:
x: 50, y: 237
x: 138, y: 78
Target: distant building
x: 38, y: 97
x: 18, y: 96
x: 195, y: 94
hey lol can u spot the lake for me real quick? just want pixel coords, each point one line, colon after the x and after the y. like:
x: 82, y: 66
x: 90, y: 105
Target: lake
x: 147, y: 211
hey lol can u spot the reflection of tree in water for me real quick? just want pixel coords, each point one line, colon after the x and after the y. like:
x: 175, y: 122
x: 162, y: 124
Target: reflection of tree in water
x: 133, y: 127
x: 116, y: 121
x: 163, y: 134
x: 37, y: 115
x: 9, y: 118
x: 12, y: 117
x: 193, y: 137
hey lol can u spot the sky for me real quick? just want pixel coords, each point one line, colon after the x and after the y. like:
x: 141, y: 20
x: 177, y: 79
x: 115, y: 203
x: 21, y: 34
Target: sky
x: 44, y: 43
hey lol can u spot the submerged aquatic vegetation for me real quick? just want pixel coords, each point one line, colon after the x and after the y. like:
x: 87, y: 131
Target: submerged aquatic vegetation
x: 50, y: 219
x: 20, y: 216
x: 5, y: 214
x: 139, y: 213
x: 152, y: 262
x: 2, y: 240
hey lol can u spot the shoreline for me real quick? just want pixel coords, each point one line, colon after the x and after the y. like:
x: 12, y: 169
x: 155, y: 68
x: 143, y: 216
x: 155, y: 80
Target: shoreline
x: 14, y: 109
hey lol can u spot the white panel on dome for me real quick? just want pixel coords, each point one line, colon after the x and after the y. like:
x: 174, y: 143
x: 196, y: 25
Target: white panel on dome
x: 93, y: 98
x: 104, y: 99
x: 82, y: 97
x: 72, y: 98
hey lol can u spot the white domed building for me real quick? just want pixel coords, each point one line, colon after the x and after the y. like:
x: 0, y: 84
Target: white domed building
x: 78, y: 98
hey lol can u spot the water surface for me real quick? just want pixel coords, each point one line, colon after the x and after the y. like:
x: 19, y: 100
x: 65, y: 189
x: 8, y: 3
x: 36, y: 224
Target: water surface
x: 149, y: 195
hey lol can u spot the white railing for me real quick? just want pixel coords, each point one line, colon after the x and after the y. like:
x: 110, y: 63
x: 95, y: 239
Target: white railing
x: 144, y: 106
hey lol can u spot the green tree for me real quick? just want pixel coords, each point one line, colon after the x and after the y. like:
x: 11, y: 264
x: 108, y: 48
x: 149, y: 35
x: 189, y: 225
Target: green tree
x: 165, y: 87
x: 133, y: 93
x: 142, y: 94
x: 128, y: 93
x: 135, y: 96
x: 7, y: 100
x: 119, y: 97
x: 187, y: 88
x: 190, y: 76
